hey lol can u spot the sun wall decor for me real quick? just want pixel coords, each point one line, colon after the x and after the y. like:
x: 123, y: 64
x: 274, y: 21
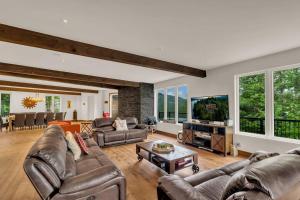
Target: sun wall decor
x: 29, y: 102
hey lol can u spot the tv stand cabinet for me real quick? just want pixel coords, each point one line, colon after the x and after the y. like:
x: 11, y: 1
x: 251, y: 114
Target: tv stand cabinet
x: 212, y: 137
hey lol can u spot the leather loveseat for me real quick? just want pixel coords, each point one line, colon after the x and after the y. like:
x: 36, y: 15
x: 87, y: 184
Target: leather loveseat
x: 55, y: 174
x: 105, y: 134
x: 263, y: 176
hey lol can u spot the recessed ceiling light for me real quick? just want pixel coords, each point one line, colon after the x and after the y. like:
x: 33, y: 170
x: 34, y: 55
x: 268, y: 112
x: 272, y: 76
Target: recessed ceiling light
x: 65, y: 21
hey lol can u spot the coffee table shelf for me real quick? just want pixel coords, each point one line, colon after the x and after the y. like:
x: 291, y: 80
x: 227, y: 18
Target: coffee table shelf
x: 167, y: 161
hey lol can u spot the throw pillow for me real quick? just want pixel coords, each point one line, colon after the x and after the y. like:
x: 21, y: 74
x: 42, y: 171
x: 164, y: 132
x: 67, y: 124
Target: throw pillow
x: 121, y: 125
x: 114, y: 124
x: 81, y: 143
x: 72, y: 145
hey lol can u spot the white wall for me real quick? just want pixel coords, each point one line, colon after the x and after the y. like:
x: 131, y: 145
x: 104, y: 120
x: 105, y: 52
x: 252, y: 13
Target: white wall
x: 88, y: 106
x: 220, y: 81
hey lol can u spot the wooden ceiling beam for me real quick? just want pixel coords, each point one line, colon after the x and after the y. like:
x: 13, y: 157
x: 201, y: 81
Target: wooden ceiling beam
x: 60, y: 76
x: 18, y: 89
x: 45, y: 87
x: 40, y: 40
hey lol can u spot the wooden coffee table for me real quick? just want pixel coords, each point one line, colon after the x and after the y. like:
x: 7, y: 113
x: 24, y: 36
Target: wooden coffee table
x: 169, y: 162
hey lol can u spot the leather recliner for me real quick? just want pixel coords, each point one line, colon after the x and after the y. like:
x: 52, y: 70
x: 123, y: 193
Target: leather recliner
x: 105, y: 134
x: 264, y: 176
x: 55, y: 174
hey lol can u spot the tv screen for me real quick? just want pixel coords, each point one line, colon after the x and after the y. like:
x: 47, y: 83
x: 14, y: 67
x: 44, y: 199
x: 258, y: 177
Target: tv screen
x: 213, y: 108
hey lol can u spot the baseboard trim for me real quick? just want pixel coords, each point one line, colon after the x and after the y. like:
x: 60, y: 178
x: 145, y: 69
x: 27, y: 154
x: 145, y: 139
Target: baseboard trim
x: 166, y: 134
x: 244, y: 153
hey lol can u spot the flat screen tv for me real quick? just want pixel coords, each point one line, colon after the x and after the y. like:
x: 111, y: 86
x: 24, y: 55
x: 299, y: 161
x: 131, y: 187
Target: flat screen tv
x: 213, y: 108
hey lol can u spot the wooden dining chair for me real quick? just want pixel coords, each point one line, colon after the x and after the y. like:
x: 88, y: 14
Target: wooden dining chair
x: 19, y: 121
x: 30, y: 120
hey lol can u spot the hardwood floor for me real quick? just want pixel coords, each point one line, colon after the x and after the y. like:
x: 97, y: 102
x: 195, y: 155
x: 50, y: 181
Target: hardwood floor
x: 141, y: 176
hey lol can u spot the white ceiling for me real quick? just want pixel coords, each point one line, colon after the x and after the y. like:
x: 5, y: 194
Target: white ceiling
x: 198, y: 33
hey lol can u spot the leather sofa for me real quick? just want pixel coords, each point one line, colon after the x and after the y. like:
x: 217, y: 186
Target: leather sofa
x: 55, y: 174
x: 263, y: 176
x: 105, y: 134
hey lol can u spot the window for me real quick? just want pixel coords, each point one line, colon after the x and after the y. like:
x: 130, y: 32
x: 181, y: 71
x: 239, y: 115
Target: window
x: 160, y: 104
x: 182, y: 104
x: 171, y: 93
x: 287, y: 103
x: 5, y: 104
x: 48, y: 102
x: 56, y: 103
x: 252, y: 103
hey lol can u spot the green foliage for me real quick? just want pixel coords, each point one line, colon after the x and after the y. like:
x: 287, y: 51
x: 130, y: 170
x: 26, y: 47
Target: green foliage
x: 252, y: 96
x: 48, y: 103
x: 287, y: 94
x: 5, y: 104
x: 56, y: 104
x: 286, y: 103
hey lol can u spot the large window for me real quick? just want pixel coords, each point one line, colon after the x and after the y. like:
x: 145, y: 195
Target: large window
x: 171, y: 93
x: 5, y: 104
x: 269, y: 103
x: 182, y: 104
x: 160, y: 104
x: 56, y: 101
x: 48, y: 102
x: 53, y: 103
x: 287, y: 103
x: 252, y: 103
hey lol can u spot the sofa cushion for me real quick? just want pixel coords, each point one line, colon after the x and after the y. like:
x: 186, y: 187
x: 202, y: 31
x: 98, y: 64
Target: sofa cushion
x: 70, y: 165
x: 213, y: 188
x: 261, y: 155
x: 131, y: 122
x: 52, y: 149
x: 81, y: 143
x: 112, y: 136
x: 201, y: 177
x: 274, y: 176
x: 232, y: 168
x: 135, y: 133
x: 121, y: 125
x: 73, y: 145
x: 105, y: 124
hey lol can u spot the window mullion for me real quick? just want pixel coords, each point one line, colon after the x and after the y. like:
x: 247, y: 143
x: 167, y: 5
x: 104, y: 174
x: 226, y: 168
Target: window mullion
x: 269, y: 104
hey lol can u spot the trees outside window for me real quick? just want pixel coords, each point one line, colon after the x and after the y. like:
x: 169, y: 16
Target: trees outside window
x: 252, y: 103
x: 56, y: 101
x: 287, y: 103
x: 171, y: 93
x: 48, y: 102
x: 160, y: 104
x: 182, y: 103
x: 5, y: 104
x: 269, y: 103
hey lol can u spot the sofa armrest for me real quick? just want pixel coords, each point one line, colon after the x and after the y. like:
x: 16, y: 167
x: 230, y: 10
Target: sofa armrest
x: 140, y: 126
x: 175, y: 188
x: 99, y: 138
x: 85, y: 135
x: 89, y: 179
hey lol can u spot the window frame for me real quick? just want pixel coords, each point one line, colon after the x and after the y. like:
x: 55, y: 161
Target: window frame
x: 237, y: 100
x: 165, y: 89
x: 187, y: 99
x: 269, y: 104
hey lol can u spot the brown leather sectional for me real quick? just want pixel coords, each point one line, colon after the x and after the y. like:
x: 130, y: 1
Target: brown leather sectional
x: 105, y: 134
x: 55, y: 174
x: 264, y: 176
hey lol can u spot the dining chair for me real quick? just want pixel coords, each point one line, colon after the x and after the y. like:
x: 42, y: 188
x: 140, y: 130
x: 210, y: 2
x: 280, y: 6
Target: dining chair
x: 49, y: 117
x: 40, y: 119
x: 19, y: 121
x: 59, y: 116
x: 30, y: 120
